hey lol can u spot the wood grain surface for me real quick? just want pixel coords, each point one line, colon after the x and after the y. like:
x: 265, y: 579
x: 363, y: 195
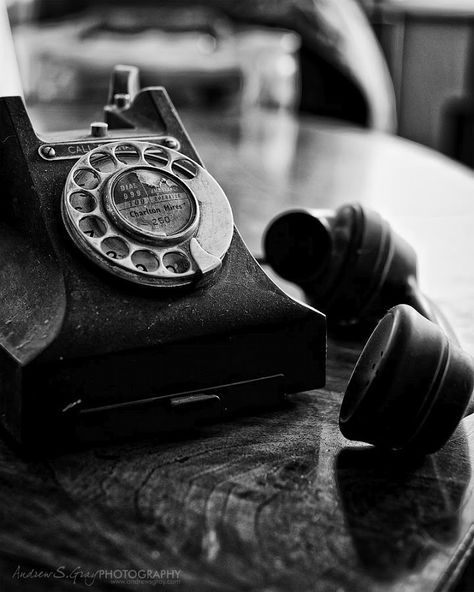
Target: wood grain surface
x: 279, y: 501
x: 275, y: 502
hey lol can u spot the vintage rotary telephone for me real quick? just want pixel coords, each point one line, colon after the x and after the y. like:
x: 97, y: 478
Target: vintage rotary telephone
x: 412, y: 383
x: 129, y: 302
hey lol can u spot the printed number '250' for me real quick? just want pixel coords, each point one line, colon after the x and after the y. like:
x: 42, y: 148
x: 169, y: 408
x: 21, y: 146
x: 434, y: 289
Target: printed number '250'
x: 162, y: 220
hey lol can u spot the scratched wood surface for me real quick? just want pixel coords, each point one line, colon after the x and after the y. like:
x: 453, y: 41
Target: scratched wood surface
x: 276, y: 502
x: 280, y: 501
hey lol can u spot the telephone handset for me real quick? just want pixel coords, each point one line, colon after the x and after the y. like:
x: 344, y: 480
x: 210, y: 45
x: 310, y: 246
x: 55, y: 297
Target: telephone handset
x: 130, y: 304
x: 412, y: 383
x: 147, y: 214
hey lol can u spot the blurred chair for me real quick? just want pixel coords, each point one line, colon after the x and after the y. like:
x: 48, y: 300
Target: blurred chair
x: 343, y: 72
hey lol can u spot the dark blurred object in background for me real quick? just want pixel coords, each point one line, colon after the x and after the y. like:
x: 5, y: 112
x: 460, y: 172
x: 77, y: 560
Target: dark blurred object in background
x: 458, y: 122
x: 429, y: 50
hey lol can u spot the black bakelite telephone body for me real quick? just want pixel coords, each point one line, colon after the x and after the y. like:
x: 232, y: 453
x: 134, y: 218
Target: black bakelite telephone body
x: 129, y: 303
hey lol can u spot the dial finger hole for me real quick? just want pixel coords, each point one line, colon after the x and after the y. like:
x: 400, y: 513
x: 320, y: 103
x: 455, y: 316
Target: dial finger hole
x: 145, y: 261
x: 184, y: 168
x: 156, y: 156
x: 102, y: 162
x: 86, y: 178
x: 92, y: 226
x: 115, y: 247
x: 82, y: 201
x: 176, y: 262
x: 127, y: 153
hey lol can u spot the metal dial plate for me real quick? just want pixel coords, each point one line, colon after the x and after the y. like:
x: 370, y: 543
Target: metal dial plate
x: 152, y: 202
x: 147, y: 214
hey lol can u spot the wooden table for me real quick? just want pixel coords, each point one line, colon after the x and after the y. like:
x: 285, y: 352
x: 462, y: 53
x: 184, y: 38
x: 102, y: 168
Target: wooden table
x: 281, y: 501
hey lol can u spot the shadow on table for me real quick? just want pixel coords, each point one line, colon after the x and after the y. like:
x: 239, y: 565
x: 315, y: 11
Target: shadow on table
x: 401, y: 511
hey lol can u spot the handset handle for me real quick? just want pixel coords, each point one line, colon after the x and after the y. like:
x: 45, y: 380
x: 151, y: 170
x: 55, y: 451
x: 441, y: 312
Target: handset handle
x: 429, y: 309
x: 10, y: 82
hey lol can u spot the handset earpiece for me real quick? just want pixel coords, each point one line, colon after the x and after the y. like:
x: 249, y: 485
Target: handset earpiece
x: 410, y: 387
x: 349, y: 263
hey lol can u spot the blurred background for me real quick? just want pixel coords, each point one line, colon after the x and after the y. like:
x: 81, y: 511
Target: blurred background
x: 399, y: 66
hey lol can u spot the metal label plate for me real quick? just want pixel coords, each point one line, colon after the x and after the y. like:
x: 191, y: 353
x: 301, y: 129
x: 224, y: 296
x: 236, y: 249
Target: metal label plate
x: 74, y: 150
